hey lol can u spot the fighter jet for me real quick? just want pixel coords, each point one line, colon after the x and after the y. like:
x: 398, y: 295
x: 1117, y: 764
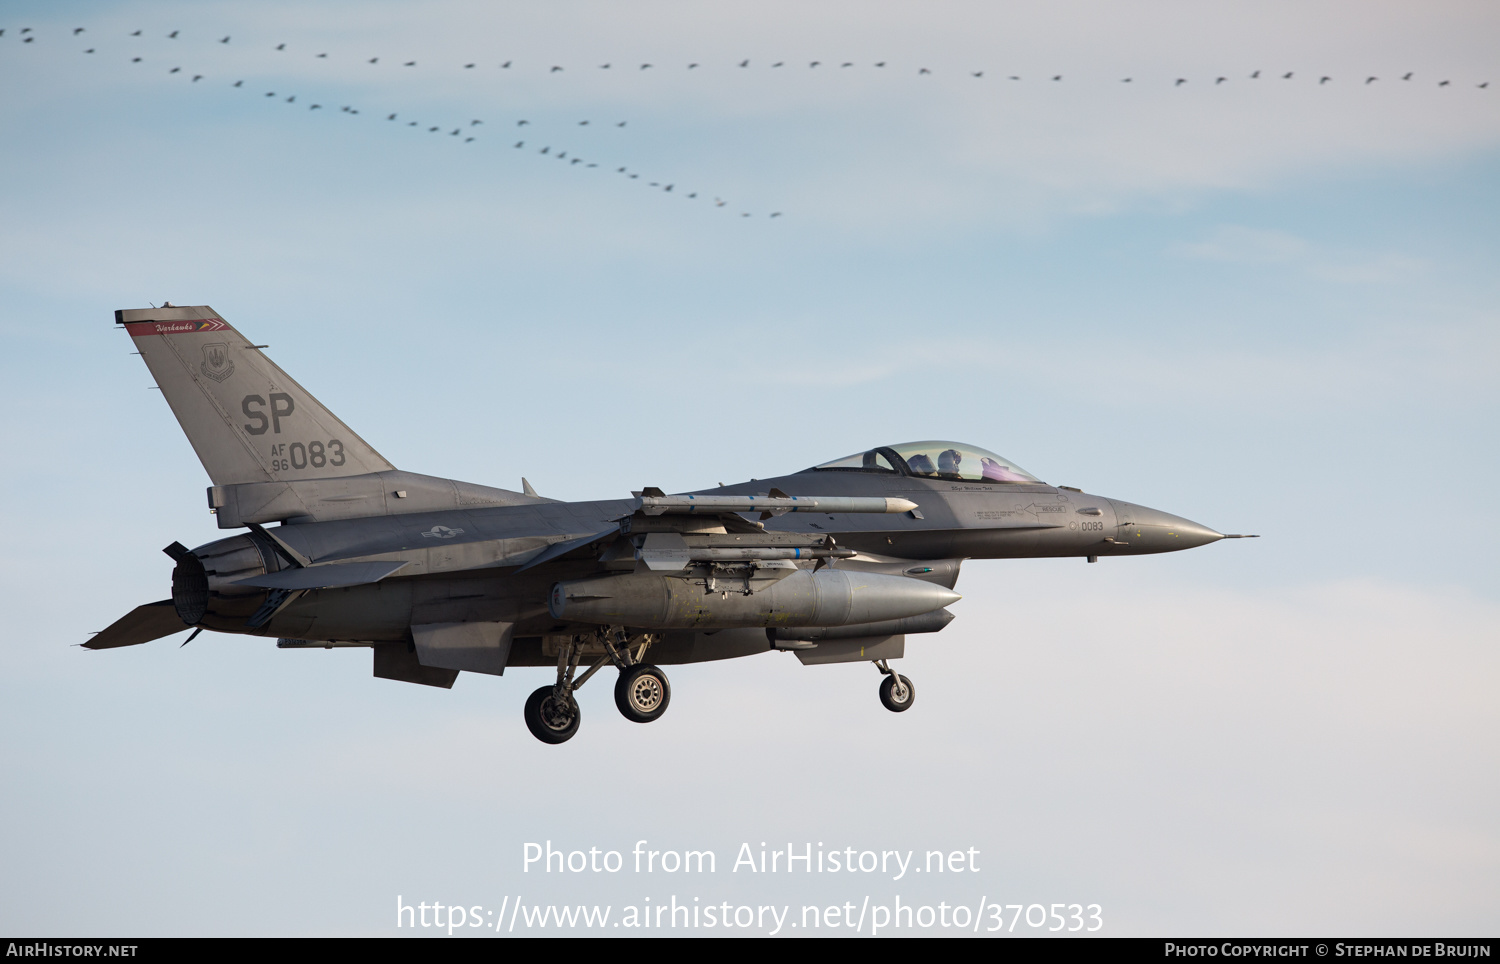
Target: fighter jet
x: 837, y: 563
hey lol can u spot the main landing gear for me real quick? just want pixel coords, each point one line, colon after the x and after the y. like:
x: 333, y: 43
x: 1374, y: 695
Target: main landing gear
x: 896, y: 692
x: 641, y: 692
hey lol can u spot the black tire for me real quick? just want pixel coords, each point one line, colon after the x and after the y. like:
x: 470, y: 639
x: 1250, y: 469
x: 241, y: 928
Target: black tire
x: 642, y: 693
x: 547, y: 720
x: 888, y: 694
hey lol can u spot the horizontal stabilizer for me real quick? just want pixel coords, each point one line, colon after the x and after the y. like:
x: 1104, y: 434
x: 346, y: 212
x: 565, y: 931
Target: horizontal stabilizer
x: 332, y: 576
x: 141, y: 625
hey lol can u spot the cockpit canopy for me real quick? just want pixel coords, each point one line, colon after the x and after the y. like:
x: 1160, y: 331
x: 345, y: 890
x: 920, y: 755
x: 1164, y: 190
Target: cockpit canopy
x: 933, y: 460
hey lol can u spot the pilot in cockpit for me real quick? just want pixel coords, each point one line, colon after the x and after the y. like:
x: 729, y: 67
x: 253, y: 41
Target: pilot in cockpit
x: 948, y: 461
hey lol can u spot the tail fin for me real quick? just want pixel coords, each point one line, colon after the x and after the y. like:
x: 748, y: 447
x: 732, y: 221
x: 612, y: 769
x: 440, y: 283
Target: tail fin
x: 246, y: 418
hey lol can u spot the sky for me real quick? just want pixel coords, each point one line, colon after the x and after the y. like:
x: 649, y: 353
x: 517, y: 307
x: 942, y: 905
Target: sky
x: 1265, y: 303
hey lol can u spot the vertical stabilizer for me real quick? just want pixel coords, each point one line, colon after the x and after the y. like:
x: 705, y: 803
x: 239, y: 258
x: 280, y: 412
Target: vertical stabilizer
x: 246, y: 418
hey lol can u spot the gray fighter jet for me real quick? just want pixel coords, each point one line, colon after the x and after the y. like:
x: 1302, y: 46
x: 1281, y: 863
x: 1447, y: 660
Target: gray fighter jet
x: 837, y: 563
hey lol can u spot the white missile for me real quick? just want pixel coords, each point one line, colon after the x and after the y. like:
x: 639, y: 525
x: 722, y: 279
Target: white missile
x: 776, y: 505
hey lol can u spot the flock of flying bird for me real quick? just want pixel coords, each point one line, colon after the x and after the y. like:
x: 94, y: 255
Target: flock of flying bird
x: 468, y: 131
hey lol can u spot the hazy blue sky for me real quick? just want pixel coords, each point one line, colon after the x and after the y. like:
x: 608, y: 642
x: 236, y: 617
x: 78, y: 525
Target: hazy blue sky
x: 1266, y: 304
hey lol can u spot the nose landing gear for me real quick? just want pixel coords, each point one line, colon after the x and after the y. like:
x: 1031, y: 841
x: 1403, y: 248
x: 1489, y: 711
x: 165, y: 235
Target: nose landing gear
x: 896, y: 692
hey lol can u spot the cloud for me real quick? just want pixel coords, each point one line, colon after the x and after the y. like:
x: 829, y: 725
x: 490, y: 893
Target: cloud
x: 1235, y: 244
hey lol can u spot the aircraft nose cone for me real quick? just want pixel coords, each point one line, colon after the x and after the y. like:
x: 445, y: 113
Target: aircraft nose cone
x: 1152, y: 530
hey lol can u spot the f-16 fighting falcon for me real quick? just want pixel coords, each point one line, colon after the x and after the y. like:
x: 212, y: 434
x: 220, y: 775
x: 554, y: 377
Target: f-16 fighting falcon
x: 837, y: 563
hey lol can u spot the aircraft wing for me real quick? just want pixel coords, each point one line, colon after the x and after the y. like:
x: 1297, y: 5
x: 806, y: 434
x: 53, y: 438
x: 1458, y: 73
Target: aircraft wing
x: 141, y: 625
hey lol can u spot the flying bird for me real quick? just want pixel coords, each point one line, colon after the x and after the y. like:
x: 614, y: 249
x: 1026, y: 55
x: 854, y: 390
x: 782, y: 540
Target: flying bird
x: 432, y: 130
x: 136, y: 34
x: 475, y: 123
x: 225, y: 40
x: 468, y: 66
x: 322, y: 55
x: 135, y: 60
x: 604, y: 66
x: 453, y: 133
x: 775, y: 214
x: 174, y: 70
x: 1255, y: 76
x: 77, y: 31
x: 197, y: 77
x: 1220, y: 80
x: 292, y: 99
x: 281, y: 46
x: 555, y: 69
x: 1287, y: 75
x: 923, y: 70
x: 1370, y: 80
x: 374, y: 60
x: 691, y: 66
x: 520, y: 144
x: 392, y: 117
x: 815, y: 63
x: 843, y: 65
x: 880, y: 63
x: 1407, y: 77
x: 645, y: 66
x: 778, y: 63
x: 410, y: 63
x: 89, y: 51
x: 239, y: 83
x: 172, y: 35
x: 583, y: 123
x: 1443, y: 83
x: 1058, y: 77
x: 621, y: 124
x: 976, y: 73
x: 744, y: 63
x: 1324, y: 80
x: 316, y: 107
x: 505, y: 66
x: 1180, y: 82
x: 522, y: 123
x: 1126, y: 80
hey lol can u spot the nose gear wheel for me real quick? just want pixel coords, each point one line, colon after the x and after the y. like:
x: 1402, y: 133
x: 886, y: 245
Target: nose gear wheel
x: 896, y: 691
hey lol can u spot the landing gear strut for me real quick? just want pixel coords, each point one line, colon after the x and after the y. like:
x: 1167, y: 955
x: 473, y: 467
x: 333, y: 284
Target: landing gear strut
x: 896, y: 692
x: 642, y: 691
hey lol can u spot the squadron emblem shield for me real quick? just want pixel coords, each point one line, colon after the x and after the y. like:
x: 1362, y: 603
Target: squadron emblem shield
x: 216, y: 361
